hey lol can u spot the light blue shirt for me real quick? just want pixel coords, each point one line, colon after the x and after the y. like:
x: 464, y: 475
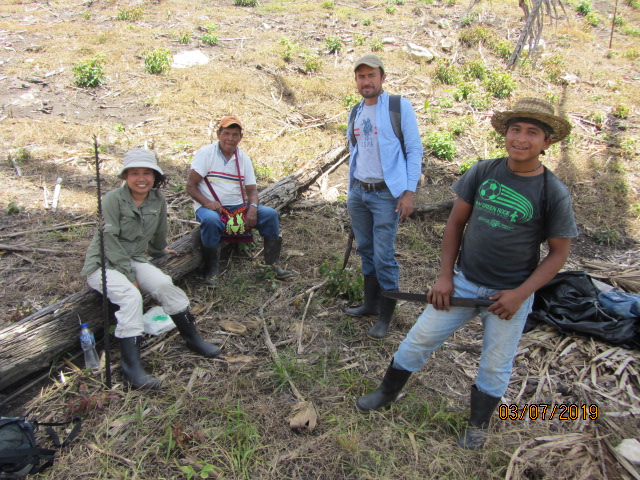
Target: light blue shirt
x: 400, y: 174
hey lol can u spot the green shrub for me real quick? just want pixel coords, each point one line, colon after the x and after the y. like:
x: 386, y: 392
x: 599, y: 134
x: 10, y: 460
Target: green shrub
x: 480, y: 100
x: 209, y: 38
x: 464, y: 166
x: 457, y: 127
x: 390, y: 9
x: 245, y: 3
x: 350, y: 100
x: 367, y: 21
x: 635, y: 4
x: 447, y: 73
x: 13, y: 208
x: 475, y: 69
x: 441, y: 144
x: 467, y: 20
x: 376, y: 44
x: 631, y: 53
x: 334, y: 44
x: 631, y: 31
x: 328, y: 4
x: 592, y: 19
x: 158, y: 62
x: 500, y: 85
x: 184, y: 38
x: 359, y: 39
x: 503, y: 49
x: 584, y: 7
x: 312, y: 63
x: 621, y: 111
x: 89, y: 73
x: 464, y: 91
x: 597, y: 117
x: 130, y: 14
x: 553, y: 67
x: 606, y: 236
x: 445, y: 101
x: 474, y: 36
x: 290, y: 49
x: 341, y: 283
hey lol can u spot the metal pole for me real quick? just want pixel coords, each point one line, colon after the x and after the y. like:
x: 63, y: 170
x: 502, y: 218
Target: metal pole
x: 103, y: 268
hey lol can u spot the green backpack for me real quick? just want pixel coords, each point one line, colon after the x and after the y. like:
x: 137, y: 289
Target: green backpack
x: 20, y: 454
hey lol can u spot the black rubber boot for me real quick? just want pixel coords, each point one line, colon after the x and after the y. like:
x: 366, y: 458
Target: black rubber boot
x: 371, y: 303
x: 211, y: 260
x: 482, y: 407
x: 134, y: 374
x: 272, y: 249
x: 393, y: 381
x: 380, y: 329
x: 187, y: 328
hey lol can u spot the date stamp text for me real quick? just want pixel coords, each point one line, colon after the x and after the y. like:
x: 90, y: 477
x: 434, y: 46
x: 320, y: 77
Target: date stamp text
x: 546, y: 411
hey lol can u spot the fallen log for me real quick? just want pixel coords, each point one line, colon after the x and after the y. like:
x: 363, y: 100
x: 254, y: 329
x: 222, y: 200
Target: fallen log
x: 32, y: 343
x: 421, y: 210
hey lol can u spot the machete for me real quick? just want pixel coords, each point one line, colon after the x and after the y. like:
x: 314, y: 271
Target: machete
x: 347, y: 251
x: 453, y: 301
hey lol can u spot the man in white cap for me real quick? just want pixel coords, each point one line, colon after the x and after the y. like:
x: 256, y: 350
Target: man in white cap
x: 509, y: 206
x: 222, y: 180
x: 384, y: 169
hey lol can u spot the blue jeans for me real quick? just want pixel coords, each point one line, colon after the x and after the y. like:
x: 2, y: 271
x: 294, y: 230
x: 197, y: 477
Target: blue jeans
x: 375, y: 223
x: 499, y: 341
x: 211, y: 227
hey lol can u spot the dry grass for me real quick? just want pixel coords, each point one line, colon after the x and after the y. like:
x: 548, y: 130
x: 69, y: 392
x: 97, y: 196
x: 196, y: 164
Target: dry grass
x: 231, y: 415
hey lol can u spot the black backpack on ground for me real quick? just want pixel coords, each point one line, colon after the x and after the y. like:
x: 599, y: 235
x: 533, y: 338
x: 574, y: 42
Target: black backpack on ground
x: 20, y: 454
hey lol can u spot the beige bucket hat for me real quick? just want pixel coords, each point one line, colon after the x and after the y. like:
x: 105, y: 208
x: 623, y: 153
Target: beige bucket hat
x: 139, y: 158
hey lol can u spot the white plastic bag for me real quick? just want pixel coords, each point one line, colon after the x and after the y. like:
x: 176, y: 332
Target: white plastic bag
x: 157, y: 322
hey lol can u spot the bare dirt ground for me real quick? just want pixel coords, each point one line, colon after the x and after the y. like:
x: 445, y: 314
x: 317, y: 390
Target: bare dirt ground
x: 228, y: 417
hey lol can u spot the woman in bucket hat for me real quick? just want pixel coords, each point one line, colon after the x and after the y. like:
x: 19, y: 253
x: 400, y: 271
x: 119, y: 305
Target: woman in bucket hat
x: 506, y: 207
x: 135, y: 225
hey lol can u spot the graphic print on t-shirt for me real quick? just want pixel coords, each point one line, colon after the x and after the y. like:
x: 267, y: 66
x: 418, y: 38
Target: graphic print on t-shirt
x: 502, y: 206
x: 365, y: 133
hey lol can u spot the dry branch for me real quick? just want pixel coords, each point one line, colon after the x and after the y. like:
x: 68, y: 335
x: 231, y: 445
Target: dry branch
x: 32, y: 343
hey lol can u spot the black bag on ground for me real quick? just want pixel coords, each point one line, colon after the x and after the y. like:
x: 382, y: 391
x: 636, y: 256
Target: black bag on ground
x: 20, y: 454
x: 570, y: 303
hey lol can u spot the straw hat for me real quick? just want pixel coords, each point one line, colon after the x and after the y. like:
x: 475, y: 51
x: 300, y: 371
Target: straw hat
x: 536, y: 109
x: 139, y: 158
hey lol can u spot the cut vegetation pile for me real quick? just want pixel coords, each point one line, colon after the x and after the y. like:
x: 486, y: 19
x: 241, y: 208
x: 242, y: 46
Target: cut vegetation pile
x: 72, y: 70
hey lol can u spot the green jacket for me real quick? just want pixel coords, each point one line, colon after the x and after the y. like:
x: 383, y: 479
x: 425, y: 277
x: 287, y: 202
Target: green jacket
x: 130, y: 232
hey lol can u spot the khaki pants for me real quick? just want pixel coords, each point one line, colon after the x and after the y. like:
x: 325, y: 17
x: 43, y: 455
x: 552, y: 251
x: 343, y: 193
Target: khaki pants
x: 123, y: 293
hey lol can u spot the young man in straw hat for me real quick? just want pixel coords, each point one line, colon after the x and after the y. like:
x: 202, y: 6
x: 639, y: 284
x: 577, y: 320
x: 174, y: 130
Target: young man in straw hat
x: 509, y: 206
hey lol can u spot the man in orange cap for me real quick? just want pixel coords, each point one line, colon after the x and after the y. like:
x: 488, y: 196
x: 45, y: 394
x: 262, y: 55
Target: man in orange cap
x: 508, y: 206
x: 222, y: 180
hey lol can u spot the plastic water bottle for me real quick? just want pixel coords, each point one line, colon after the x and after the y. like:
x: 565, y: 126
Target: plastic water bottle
x: 88, y: 343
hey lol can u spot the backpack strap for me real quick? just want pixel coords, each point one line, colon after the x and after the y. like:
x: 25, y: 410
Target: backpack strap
x: 396, y: 119
x: 352, y: 123
x: 395, y: 114
x: 54, y: 436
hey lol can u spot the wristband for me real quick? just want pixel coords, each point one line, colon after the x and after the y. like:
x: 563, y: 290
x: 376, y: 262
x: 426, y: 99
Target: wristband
x: 253, y: 205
